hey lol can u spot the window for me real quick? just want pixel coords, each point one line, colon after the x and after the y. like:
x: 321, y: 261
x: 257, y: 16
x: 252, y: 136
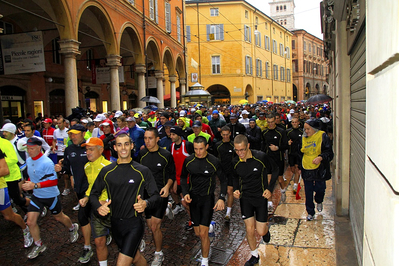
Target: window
x: 215, y: 32
x: 105, y: 106
x: 287, y: 52
x: 267, y: 70
x: 281, y: 49
x: 178, y: 26
x: 266, y: 25
x: 288, y: 75
x: 216, y: 64
x: 276, y: 8
x: 8, y: 28
x: 152, y: 12
x: 246, y: 13
x: 274, y: 46
x: 276, y: 99
x: 282, y: 73
x: 258, y: 67
x: 314, y: 49
x: 310, y: 48
x: 248, y: 65
x: 156, y: 11
x: 188, y: 33
x: 247, y: 33
x: 168, y: 21
x: 214, y: 12
x: 293, y: 44
x: 304, y: 46
x: 295, y: 65
x: 89, y: 58
x: 322, y: 70
x: 305, y: 66
x: 267, y: 43
x: 275, y: 72
x: 56, y: 51
x: 259, y: 98
x: 258, y: 39
x: 256, y: 20
x: 285, y: 7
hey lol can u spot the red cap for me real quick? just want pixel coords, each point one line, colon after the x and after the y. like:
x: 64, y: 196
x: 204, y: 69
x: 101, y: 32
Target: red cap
x: 152, y: 113
x: 48, y: 120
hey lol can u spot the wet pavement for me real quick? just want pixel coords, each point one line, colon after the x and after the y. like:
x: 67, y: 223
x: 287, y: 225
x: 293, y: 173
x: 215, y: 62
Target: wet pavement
x: 294, y: 240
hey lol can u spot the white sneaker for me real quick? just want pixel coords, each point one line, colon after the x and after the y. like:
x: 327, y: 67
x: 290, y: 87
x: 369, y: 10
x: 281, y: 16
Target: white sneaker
x: 178, y: 209
x: 44, y: 212
x: 76, y: 208
x: 28, y: 239
x: 36, y: 250
x: 270, y: 207
x: 169, y: 212
x: 158, y: 259
x: 65, y: 192
x: 283, y: 196
x: 320, y: 207
x: 295, y: 188
x: 74, y: 234
x: 142, y: 246
x: 309, y: 218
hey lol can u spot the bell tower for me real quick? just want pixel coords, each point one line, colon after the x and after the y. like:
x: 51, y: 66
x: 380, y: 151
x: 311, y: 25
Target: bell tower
x: 282, y: 11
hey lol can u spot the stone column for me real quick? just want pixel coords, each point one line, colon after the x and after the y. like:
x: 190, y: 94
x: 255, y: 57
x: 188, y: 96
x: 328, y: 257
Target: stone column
x: 70, y: 49
x: 182, y: 87
x: 172, y: 80
x: 140, y: 69
x: 160, y: 93
x: 114, y: 62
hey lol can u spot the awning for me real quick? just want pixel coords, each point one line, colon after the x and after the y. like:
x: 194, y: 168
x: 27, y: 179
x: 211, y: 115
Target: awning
x: 167, y: 96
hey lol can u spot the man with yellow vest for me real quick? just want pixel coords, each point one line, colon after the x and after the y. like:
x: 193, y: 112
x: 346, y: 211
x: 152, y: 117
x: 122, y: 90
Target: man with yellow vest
x: 197, y: 128
x: 316, y: 154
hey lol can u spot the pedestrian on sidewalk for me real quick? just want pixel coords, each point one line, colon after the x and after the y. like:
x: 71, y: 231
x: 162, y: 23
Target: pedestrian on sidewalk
x: 316, y: 151
x: 255, y: 175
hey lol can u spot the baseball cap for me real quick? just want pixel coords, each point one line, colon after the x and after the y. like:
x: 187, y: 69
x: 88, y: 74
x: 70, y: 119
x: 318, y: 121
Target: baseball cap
x: 33, y: 141
x: 130, y: 119
x: 136, y: 115
x: 245, y: 112
x: 118, y: 114
x: 233, y: 116
x: 93, y: 142
x: 177, y: 130
x: 197, y: 124
x: 261, y: 114
x: 9, y: 127
x: 99, y: 118
x: 168, y: 124
x: 84, y: 121
x: 106, y: 122
x: 48, y: 120
x: 215, y: 112
x: 151, y: 113
x: 76, y: 129
x: 292, y: 111
x: 182, y: 113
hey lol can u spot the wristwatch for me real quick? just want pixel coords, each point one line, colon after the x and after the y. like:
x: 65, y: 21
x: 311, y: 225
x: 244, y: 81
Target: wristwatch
x: 36, y: 186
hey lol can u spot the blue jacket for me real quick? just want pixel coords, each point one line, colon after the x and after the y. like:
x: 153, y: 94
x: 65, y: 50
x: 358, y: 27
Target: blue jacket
x: 137, y: 135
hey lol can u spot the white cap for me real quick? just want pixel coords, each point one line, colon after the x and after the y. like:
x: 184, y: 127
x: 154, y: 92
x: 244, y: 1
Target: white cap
x: 182, y: 113
x: 99, y: 118
x: 292, y: 111
x: 245, y: 112
x: 84, y: 121
x: 9, y: 127
x: 118, y: 114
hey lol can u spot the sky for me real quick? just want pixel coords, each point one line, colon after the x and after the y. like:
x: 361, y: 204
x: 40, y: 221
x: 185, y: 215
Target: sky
x: 307, y: 14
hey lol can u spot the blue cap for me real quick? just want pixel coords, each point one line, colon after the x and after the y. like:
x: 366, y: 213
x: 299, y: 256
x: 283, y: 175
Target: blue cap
x: 215, y: 112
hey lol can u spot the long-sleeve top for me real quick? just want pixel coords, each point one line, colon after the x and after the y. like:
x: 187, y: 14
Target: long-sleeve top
x: 254, y: 136
x: 91, y: 170
x: 294, y: 134
x: 236, y: 129
x: 277, y: 137
x: 225, y: 153
x: 215, y: 124
x: 124, y: 183
x: 75, y: 158
x: 160, y: 163
x: 203, y: 172
x: 11, y: 160
x: 251, y: 176
x: 137, y: 135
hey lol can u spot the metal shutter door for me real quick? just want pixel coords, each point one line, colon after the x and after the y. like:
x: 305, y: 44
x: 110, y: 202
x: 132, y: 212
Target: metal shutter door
x: 357, y: 140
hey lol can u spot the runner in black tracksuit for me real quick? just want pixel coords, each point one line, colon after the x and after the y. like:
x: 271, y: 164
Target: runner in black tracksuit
x: 294, y: 136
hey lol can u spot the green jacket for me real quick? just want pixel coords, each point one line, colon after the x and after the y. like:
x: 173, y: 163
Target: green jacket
x: 11, y: 160
x: 191, y: 137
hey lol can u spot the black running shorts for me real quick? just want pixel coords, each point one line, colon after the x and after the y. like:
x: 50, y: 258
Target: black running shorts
x: 127, y: 234
x: 158, y: 211
x: 53, y: 204
x: 201, y: 209
x: 254, y: 207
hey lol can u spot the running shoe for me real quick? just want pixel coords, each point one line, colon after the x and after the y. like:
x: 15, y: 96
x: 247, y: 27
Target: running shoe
x: 266, y: 237
x: 295, y: 188
x: 86, y: 255
x: 270, y: 207
x: 189, y: 226
x: 76, y: 208
x: 44, y: 212
x: 36, y: 251
x: 109, y: 239
x: 74, y: 234
x: 169, y: 212
x: 142, y: 246
x: 252, y: 261
x: 178, y: 209
x: 227, y: 218
x: 28, y: 239
x: 65, y: 192
x: 158, y: 259
x: 309, y: 218
x: 283, y: 196
x: 320, y: 207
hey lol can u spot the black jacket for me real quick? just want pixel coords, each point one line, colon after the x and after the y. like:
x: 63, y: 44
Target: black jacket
x: 236, y: 129
x: 254, y: 136
x: 75, y: 159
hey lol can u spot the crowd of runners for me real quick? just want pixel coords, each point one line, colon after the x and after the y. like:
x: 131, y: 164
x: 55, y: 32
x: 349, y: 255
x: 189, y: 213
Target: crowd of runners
x: 128, y: 168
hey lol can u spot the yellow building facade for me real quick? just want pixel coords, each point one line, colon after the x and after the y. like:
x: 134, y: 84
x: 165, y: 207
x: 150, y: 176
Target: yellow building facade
x: 237, y: 52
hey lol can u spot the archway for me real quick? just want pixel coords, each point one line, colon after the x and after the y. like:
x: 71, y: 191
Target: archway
x: 220, y: 94
x: 317, y: 89
x: 249, y: 94
x: 12, y: 102
x: 294, y: 93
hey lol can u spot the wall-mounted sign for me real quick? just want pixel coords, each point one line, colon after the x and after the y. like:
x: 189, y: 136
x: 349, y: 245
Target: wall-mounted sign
x: 194, y: 77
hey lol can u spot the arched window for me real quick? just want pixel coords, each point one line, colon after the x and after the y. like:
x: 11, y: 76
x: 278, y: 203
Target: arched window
x: 276, y: 8
x: 285, y: 7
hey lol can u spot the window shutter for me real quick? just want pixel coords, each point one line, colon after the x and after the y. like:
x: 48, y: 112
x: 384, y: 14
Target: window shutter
x: 250, y: 60
x: 249, y: 34
x: 221, y: 32
x: 208, y: 31
x: 156, y: 11
x: 246, y: 33
x: 188, y: 33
